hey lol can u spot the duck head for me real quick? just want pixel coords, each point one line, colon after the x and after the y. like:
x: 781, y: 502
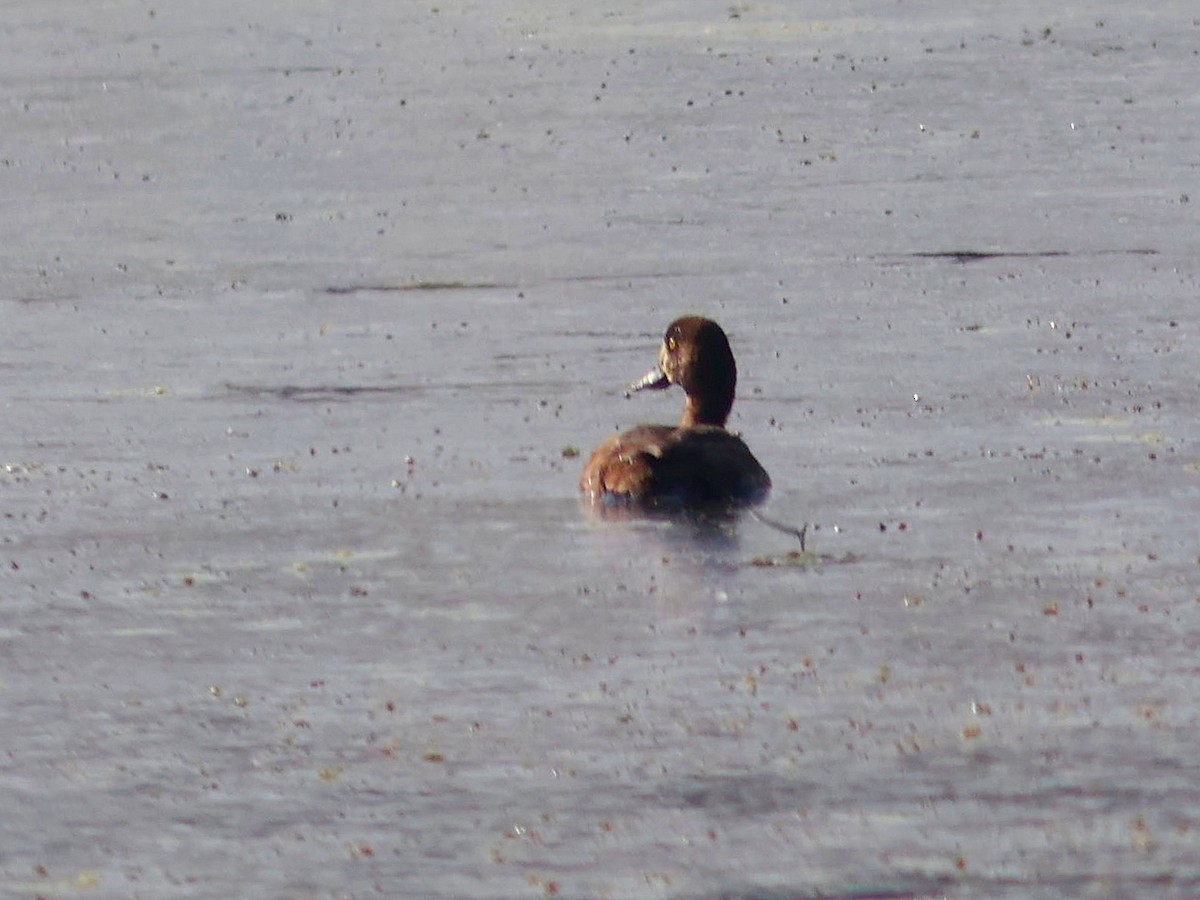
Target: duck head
x: 695, y: 354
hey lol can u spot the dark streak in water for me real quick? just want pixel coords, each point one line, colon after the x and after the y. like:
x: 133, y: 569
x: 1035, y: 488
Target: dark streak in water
x: 414, y: 286
x: 968, y: 256
x: 31, y: 301
x: 315, y: 392
x: 417, y: 286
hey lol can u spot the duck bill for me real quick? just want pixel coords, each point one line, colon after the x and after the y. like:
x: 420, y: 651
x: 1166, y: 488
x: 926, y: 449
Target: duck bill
x: 654, y: 380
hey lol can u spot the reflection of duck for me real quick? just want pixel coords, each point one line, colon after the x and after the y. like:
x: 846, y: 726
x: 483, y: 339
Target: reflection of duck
x: 698, y: 462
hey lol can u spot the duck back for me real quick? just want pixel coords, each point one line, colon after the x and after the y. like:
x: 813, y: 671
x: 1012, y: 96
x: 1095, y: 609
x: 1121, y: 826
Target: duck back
x: 663, y: 465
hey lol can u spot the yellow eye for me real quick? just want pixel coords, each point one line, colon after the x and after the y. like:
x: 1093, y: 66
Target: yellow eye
x: 672, y: 344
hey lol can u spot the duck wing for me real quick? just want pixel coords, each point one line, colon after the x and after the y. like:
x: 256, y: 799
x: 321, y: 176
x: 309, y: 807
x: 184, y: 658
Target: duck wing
x: 624, y: 464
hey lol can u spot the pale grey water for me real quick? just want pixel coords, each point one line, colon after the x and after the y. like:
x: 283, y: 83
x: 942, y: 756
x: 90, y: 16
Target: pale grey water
x: 301, y: 306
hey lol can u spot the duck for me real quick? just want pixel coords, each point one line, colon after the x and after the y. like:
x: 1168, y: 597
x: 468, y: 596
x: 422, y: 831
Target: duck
x: 697, y: 463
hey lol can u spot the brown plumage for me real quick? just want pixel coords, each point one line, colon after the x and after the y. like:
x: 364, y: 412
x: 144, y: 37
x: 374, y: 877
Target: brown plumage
x: 696, y: 462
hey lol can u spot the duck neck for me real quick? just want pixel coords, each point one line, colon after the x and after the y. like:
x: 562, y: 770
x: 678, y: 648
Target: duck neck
x: 706, y: 410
